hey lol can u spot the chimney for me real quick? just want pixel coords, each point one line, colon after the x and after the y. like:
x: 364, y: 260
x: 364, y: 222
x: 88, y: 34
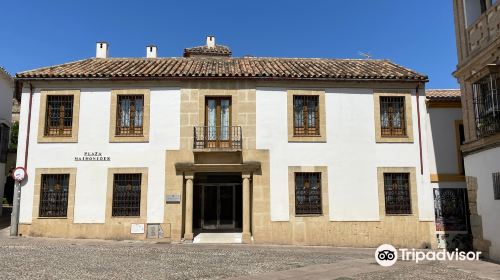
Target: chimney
x: 101, y: 50
x: 211, y: 41
x: 151, y: 51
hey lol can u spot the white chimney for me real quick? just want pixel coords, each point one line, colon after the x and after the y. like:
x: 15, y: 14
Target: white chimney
x: 151, y: 51
x: 101, y: 50
x: 211, y: 41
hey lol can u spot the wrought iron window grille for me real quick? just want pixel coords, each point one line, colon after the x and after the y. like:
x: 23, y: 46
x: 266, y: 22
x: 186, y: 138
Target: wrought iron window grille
x: 392, y: 116
x: 126, y: 195
x: 306, y: 115
x: 397, y: 194
x: 54, y: 195
x: 130, y: 115
x: 59, y: 116
x: 486, y: 100
x: 308, y: 193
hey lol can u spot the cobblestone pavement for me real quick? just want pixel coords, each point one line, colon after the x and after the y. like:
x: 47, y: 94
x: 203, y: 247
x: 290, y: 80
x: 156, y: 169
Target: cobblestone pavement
x: 43, y: 258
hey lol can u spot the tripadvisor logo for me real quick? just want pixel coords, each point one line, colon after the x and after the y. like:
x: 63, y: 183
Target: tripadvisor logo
x: 387, y: 255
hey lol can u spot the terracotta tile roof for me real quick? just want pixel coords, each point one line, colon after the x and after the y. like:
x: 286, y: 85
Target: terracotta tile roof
x: 222, y: 67
x: 217, y: 50
x: 5, y: 73
x: 443, y: 94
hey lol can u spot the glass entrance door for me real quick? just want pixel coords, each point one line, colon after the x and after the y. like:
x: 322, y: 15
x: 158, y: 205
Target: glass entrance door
x: 209, y: 214
x: 218, y: 211
x: 226, y: 206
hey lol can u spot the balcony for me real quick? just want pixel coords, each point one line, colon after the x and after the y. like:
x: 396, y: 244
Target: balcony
x: 484, y: 29
x: 217, y: 138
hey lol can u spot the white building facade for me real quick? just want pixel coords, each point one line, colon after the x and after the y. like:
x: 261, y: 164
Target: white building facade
x: 6, y: 94
x: 277, y: 151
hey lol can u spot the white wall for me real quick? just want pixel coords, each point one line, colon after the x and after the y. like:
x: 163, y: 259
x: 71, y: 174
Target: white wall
x: 6, y: 94
x: 351, y: 154
x: 482, y: 165
x: 441, y: 139
x: 93, y: 135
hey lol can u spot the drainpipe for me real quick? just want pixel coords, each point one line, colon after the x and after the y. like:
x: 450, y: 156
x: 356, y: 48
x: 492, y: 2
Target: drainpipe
x: 14, y: 220
x: 419, y: 131
x: 28, y: 132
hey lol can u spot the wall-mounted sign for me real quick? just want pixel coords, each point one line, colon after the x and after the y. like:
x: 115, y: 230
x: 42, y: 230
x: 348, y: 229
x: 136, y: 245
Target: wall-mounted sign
x: 173, y: 198
x: 92, y: 156
x: 137, y: 228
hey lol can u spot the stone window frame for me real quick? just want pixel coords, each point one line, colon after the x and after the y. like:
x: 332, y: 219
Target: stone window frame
x: 71, y: 192
x: 413, y: 190
x: 42, y: 138
x: 321, y: 138
x: 324, y: 189
x: 407, y: 94
x: 142, y: 219
x: 113, y: 138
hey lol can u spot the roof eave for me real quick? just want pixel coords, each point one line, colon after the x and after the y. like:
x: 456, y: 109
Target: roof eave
x: 156, y: 78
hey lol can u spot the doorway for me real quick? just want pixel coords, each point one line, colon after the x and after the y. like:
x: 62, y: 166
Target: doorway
x: 217, y: 203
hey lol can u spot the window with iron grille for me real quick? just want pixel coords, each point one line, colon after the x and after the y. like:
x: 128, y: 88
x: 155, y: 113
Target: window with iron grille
x: 487, y: 105
x: 59, y: 116
x: 308, y: 193
x: 392, y: 116
x: 126, y: 195
x: 397, y: 193
x: 496, y: 185
x: 4, y: 142
x: 306, y: 115
x: 54, y: 195
x: 130, y: 114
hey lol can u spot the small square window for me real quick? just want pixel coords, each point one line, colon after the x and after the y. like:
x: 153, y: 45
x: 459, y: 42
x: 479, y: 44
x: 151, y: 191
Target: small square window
x: 126, y: 195
x: 397, y: 193
x: 306, y: 115
x: 496, y: 185
x: 54, y: 195
x: 308, y: 193
x: 392, y: 116
x: 130, y: 115
x: 59, y: 116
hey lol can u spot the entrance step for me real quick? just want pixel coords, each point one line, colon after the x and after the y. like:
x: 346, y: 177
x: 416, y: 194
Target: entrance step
x: 223, y: 237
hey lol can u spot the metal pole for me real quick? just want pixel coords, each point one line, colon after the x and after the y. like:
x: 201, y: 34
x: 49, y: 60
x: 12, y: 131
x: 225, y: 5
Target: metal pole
x: 14, y: 219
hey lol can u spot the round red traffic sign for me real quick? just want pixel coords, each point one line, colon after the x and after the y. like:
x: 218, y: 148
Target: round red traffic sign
x: 19, y: 174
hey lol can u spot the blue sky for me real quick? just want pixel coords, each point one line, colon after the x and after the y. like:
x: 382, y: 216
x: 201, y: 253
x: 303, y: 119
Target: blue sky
x: 415, y: 34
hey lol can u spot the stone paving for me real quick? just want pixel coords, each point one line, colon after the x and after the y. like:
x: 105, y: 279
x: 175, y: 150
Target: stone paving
x: 44, y: 258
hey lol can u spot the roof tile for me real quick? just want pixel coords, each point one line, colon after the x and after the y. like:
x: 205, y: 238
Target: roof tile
x: 249, y: 67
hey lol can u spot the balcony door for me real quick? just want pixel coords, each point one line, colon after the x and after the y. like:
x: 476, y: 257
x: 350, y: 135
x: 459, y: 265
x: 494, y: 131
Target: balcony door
x: 218, y: 122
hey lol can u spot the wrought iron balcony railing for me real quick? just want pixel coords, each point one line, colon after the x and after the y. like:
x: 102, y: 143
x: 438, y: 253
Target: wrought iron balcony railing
x: 217, y: 138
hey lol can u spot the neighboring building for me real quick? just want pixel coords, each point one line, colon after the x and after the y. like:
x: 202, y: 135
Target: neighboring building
x: 6, y: 94
x: 16, y: 109
x: 477, y: 26
x: 445, y: 134
x: 12, y: 154
x: 273, y: 150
